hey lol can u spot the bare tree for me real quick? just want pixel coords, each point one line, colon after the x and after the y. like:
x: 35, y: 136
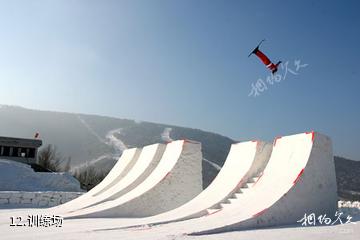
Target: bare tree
x: 49, y: 158
x: 88, y: 177
x: 67, y: 166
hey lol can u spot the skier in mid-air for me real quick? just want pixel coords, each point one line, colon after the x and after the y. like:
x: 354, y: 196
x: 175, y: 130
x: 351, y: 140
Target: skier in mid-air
x: 271, y: 66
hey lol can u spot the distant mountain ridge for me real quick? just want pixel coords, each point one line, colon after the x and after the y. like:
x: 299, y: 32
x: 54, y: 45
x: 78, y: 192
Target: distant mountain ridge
x: 348, y: 178
x: 98, y: 141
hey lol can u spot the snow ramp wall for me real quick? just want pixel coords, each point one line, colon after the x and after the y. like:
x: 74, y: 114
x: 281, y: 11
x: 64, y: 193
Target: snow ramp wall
x: 163, y: 190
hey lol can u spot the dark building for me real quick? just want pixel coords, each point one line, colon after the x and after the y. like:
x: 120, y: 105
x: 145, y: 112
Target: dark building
x: 19, y: 149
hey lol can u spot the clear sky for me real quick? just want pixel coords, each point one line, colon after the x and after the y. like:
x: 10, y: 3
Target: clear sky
x: 186, y: 63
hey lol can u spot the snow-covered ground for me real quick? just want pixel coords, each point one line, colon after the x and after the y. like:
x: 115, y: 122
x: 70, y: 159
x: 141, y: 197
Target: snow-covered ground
x: 107, y: 229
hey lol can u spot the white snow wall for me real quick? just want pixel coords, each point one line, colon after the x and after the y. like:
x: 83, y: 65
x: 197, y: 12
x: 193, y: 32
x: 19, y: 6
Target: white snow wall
x: 36, y: 199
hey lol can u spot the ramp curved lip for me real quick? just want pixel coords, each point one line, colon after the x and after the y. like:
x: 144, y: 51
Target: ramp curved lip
x: 120, y: 169
x: 292, y: 158
x: 145, y: 164
x: 243, y: 162
x: 168, y: 160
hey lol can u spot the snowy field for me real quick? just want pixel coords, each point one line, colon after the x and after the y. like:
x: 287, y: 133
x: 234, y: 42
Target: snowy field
x: 109, y: 229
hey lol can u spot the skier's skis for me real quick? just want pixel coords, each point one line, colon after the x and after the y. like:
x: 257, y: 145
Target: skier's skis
x: 257, y: 47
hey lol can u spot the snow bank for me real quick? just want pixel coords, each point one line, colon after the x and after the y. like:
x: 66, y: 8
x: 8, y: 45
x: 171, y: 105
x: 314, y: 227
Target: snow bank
x: 16, y: 176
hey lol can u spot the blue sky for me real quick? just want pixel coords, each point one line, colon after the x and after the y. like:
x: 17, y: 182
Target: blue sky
x: 185, y: 63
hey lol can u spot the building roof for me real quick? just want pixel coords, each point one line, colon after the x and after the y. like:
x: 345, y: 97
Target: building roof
x: 23, y: 142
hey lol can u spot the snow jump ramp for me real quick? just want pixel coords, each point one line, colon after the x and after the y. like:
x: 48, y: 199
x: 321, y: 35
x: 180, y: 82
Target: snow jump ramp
x: 147, y: 161
x: 124, y: 164
x: 244, y: 162
x: 175, y: 180
x: 299, y: 179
